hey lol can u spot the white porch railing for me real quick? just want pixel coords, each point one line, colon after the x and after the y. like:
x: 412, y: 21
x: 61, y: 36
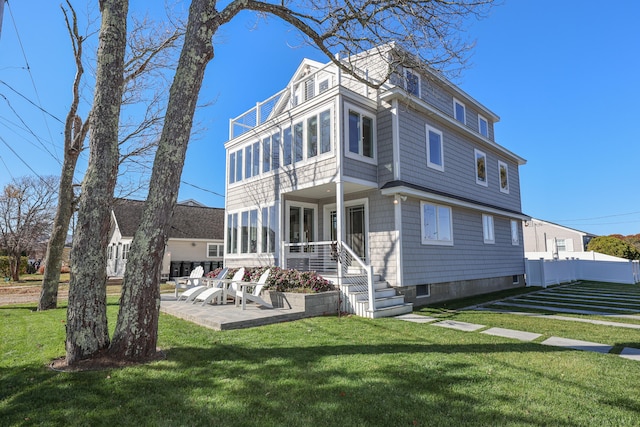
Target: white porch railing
x: 334, y: 258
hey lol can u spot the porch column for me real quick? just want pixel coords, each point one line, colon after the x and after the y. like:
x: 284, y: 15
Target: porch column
x: 340, y: 222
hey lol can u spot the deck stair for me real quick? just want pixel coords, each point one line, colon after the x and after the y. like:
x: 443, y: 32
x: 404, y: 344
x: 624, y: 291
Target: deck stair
x: 355, y: 297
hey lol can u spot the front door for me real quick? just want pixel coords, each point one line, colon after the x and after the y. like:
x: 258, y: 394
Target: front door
x: 355, y: 229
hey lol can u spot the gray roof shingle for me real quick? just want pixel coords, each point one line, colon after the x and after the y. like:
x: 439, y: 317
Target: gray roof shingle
x: 188, y: 222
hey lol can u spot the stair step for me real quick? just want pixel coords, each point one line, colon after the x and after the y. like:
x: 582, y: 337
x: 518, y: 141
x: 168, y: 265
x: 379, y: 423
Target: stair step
x: 392, y: 311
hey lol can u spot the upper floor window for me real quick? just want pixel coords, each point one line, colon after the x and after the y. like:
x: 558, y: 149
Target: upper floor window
x: 487, y: 229
x: 232, y: 168
x: 286, y: 147
x: 125, y: 250
x: 247, y: 161
x: 436, y: 224
x: 435, y: 157
x: 481, y: 167
x: 266, y: 154
x: 483, y: 126
x: 503, y: 173
x: 515, y: 234
x: 361, y: 134
x: 239, y: 165
x: 459, y: 111
x: 412, y: 81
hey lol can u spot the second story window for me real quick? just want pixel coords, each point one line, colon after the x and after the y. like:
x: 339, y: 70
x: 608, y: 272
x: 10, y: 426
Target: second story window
x: 481, y: 167
x: 503, y: 173
x: 361, y: 134
x: 286, y: 147
x: 298, y: 138
x: 247, y: 162
x: 459, y: 112
x: 483, y: 126
x: 239, y: 165
x: 435, y: 156
x: 266, y: 154
x: 232, y: 168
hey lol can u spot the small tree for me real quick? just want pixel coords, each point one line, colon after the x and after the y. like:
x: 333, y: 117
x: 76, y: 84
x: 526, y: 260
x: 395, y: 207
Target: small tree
x: 614, y: 246
x: 26, y: 212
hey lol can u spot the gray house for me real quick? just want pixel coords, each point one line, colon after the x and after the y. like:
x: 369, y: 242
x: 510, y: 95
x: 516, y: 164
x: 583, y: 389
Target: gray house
x: 544, y: 239
x: 400, y: 195
x: 196, y: 237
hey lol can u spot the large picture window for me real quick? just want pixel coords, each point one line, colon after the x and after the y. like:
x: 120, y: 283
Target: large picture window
x: 435, y: 149
x: 436, y: 224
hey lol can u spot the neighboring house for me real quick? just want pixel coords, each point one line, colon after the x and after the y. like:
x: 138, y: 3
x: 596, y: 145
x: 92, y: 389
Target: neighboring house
x: 407, y: 179
x: 196, y: 237
x: 555, y: 240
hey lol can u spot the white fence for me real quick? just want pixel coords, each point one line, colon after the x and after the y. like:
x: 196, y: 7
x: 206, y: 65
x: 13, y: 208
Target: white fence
x: 543, y: 272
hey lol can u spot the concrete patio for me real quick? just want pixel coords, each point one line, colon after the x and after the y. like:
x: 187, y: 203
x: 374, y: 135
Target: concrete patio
x: 227, y: 316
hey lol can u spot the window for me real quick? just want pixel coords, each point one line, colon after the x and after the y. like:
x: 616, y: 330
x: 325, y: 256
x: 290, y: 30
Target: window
x: 253, y: 231
x: 436, y: 224
x: 298, y: 141
x: 109, y: 252
x: 256, y: 159
x: 361, y: 136
x: 232, y: 233
x: 434, y: 149
x: 214, y: 250
x: 247, y: 162
x: 423, y: 291
x: 125, y: 250
x: 459, y: 111
x: 481, y: 167
x: 487, y: 229
x: 503, y: 173
x: 266, y: 154
x: 232, y: 168
x: 323, y: 85
x: 325, y: 132
x: 515, y: 232
x: 312, y: 136
x: 268, y: 244
x: 239, y: 165
x: 561, y: 245
x: 412, y: 83
x: 244, y: 234
x: 286, y: 147
x: 483, y: 126
x: 275, y: 151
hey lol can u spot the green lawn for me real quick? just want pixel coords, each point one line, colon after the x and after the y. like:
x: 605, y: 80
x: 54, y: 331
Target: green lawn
x: 344, y: 371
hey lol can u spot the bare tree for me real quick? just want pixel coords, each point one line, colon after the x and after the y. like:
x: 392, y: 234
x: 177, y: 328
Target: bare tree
x: 425, y: 32
x: 26, y: 212
x: 149, y: 54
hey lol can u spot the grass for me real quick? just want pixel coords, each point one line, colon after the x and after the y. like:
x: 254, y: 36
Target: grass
x: 323, y: 371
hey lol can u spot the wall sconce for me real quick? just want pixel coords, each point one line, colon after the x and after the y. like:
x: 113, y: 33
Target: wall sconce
x: 397, y: 199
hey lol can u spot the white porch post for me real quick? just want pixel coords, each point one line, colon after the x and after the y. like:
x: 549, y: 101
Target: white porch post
x: 340, y: 232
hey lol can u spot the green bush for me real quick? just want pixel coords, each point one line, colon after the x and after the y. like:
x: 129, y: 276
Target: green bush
x: 614, y: 246
x: 4, y: 266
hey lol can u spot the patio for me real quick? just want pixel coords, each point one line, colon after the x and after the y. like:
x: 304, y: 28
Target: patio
x: 227, y: 316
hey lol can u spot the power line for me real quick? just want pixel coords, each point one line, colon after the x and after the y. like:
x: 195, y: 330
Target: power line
x: 33, y: 83
x: 597, y: 217
x: 31, y: 102
x: 27, y: 165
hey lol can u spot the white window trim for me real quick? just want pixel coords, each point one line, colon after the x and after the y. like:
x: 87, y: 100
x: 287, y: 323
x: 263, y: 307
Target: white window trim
x: 488, y: 229
x: 506, y: 167
x: 515, y: 233
x: 408, y: 71
x: 288, y: 204
x: 464, y: 111
x: 218, y: 246
x: 347, y: 153
x: 482, y: 118
x: 426, y: 241
x: 427, y: 142
x: 477, y: 153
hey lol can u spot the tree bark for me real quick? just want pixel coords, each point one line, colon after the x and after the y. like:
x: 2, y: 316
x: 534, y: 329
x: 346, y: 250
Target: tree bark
x: 136, y: 332
x: 87, y: 332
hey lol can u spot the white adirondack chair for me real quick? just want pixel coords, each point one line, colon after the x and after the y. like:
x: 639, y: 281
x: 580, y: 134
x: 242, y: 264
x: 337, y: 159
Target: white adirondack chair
x: 191, y: 281
x: 209, y: 294
x: 190, y: 294
x: 255, y: 295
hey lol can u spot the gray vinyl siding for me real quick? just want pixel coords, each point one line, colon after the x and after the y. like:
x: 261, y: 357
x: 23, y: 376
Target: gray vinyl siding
x: 358, y: 169
x: 458, y: 177
x: 469, y: 257
x: 385, y: 146
x: 383, y: 237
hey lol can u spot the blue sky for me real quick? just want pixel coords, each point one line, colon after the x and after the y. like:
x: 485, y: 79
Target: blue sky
x: 564, y: 77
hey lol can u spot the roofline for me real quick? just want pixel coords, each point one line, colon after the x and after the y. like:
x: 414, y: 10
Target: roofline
x: 565, y: 227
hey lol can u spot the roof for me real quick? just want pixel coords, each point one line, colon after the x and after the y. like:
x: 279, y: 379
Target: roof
x: 586, y: 233
x: 188, y: 222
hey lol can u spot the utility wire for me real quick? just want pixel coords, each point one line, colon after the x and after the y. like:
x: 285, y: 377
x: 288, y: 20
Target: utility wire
x: 31, y: 102
x: 33, y: 83
x: 27, y: 165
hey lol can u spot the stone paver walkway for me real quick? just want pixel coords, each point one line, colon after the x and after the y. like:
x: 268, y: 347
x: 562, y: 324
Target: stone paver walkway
x: 565, y: 299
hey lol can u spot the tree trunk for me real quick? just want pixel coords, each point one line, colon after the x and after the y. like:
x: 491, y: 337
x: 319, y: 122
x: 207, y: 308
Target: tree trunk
x: 55, y: 247
x: 136, y: 332
x: 87, y: 331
